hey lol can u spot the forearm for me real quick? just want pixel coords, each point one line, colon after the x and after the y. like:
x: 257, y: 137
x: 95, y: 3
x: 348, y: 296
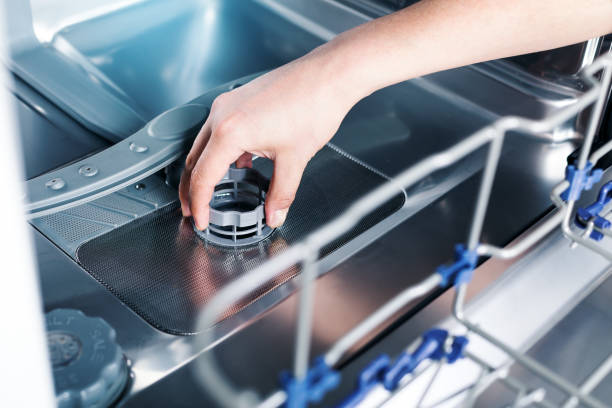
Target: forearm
x: 288, y: 114
x: 434, y: 35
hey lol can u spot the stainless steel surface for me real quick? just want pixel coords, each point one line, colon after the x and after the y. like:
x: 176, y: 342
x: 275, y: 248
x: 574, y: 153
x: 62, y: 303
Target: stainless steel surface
x: 548, y: 77
x: 405, y: 139
x: 582, y: 338
x: 602, y: 66
x: 562, y: 62
x: 49, y: 137
x: 69, y: 229
x: 417, y: 118
x: 117, y: 69
x: 517, y: 309
x: 344, y: 289
x: 123, y: 55
x: 338, y: 350
x: 580, y: 394
x: 221, y: 387
x: 351, y: 283
x: 160, y: 267
x: 266, y: 341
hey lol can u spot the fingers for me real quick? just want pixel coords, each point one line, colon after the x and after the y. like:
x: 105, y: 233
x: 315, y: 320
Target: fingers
x: 285, y: 181
x: 208, y: 171
x: 192, y: 158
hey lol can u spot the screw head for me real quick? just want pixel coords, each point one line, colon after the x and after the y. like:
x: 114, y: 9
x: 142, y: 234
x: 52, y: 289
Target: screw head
x: 88, y: 171
x: 56, y: 183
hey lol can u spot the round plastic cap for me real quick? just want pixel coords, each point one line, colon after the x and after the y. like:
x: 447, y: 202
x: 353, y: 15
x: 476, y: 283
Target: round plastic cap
x: 89, y: 369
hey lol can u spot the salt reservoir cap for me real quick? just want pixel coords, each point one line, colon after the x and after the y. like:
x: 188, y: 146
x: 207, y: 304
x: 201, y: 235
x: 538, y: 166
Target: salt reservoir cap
x: 89, y: 369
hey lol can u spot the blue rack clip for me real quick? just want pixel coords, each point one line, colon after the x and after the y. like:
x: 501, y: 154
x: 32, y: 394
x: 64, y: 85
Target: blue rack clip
x: 319, y: 379
x: 461, y: 270
x: 432, y: 347
x: 580, y: 180
x: 593, y: 211
x: 370, y: 377
x: 382, y: 371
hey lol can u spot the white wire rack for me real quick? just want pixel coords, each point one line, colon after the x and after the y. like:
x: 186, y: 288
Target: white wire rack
x: 437, y: 348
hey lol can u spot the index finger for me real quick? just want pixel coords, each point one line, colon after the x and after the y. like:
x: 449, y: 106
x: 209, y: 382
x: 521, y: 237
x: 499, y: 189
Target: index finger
x: 212, y: 165
x: 192, y: 158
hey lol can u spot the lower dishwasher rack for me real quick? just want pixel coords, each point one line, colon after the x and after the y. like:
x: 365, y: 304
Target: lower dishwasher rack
x: 460, y: 360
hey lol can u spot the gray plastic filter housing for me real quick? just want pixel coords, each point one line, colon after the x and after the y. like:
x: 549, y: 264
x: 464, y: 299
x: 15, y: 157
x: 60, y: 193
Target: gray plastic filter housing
x: 89, y: 369
x: 237, y: 216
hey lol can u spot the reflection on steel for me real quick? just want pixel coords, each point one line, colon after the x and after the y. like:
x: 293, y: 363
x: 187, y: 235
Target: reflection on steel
x: 305, y: 253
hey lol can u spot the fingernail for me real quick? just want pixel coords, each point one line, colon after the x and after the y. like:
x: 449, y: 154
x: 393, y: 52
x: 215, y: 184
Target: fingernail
x: 200, y: 226
x: 278, y: 218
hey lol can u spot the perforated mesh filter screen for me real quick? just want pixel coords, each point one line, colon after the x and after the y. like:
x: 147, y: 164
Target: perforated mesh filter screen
x: 165, y: 273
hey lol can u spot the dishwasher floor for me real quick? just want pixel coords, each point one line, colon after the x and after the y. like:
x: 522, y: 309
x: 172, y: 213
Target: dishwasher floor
x: 574, y: 349
x: 160, y: 268
x: 388, y: 131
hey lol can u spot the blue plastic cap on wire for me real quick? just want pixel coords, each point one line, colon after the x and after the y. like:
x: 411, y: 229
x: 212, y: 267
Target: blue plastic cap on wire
x: 580, y: 180
x: 382, y: 371
x: 432, y: 347
x: 461, y: 270
x: 370, y: 377
x: 372, y: 374
x: 319, y: 379
x: 593, y: 212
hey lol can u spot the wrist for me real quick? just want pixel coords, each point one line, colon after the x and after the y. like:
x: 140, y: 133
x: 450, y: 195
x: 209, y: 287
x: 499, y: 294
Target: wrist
x: 338, y: 73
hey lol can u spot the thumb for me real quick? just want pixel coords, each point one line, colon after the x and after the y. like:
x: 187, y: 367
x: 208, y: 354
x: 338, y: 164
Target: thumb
x: 285, y: 181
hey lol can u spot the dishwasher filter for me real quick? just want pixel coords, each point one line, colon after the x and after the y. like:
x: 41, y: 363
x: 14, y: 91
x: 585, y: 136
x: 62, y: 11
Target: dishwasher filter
x: 160, y: 268
x: 237, y: 216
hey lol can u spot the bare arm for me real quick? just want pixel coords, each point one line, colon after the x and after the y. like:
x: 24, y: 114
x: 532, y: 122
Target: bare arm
x: 440, y: 34
x: 290, y: 113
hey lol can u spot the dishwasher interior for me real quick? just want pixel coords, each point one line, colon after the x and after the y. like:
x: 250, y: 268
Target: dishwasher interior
x: 468, y: 156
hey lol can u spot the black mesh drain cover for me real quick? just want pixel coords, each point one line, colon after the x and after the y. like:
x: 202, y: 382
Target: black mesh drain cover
x: 165, y: 273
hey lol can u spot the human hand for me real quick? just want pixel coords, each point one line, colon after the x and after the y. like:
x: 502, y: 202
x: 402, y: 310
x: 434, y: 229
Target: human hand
x: 286, y: 115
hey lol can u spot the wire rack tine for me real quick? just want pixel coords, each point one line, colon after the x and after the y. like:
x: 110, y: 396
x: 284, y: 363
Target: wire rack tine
x: 502, y: 374
x: 336, y: 352
x: 304, y: 321
x: 526, y: 361
x: 578, y: 394
x: 455, y: 394
x: 486, y: 185
x: 493, y: 374
x: 421, y: 370
x: 430, y: 383
x: 472, y: 390
x: 592, y: 381
x: 605, y: 66
x: 493, y: 135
